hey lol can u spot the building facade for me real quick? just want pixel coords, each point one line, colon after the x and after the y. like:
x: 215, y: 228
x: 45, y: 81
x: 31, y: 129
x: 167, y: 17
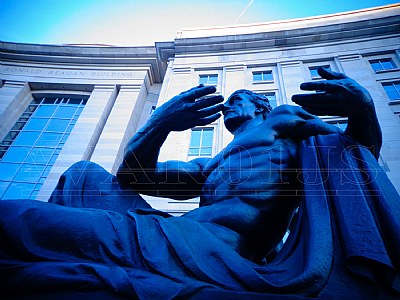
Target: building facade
x: 62, y: 104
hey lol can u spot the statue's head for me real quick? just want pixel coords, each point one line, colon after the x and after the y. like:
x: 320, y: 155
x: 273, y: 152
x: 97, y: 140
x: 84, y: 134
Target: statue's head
x: 244, y: 105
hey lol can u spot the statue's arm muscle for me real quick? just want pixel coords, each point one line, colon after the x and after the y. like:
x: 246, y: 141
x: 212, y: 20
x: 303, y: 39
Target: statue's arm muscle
x: 140, y: 168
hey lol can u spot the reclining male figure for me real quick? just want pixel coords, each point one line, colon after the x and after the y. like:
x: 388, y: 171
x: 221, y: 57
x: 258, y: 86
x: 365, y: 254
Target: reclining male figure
x: 249, y: 188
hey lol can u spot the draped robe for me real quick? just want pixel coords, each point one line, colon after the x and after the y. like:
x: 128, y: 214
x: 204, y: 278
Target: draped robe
x: 344, y: 242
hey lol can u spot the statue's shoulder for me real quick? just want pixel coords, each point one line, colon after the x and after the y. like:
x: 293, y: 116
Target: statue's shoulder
x: 283, y: 110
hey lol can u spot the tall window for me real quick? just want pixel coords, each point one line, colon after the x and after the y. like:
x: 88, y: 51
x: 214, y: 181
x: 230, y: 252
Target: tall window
x: 211, y: 79
x: 201, y: 142
x: 314, y: 71
x: 262, y: 76
x: 382, y: 64
x: 392, y: 89
x: 30, y: 149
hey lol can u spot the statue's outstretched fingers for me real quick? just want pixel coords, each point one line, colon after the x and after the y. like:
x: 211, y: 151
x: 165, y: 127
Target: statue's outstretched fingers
x: 329, y: 74
x: 207, y: 102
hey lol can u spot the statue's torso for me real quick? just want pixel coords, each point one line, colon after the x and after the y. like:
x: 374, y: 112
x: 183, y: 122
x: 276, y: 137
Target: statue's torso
x: 247, y: 187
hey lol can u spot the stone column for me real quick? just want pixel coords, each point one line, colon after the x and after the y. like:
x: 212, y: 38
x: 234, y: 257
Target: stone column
x: 291, y: 73
x: 83, y: 137
x: 180, y: 79
x: 15, y: 96
x: 120, y: 127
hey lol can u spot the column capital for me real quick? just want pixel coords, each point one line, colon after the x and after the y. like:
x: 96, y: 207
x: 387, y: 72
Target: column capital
x: 104, y: 87
x: 14, y: 83
x: 290, y: 63
x: 349, y: 57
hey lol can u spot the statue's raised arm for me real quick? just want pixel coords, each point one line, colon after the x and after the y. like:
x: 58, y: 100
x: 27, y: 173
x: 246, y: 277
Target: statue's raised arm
x: 140, y: 168
x: 340, y: 95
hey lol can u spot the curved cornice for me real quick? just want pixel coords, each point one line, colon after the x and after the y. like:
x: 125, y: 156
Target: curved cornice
x: 83, y: 55
x: 331, y: 28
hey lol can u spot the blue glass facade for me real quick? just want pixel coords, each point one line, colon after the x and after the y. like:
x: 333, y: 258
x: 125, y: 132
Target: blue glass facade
x: 31, y: 147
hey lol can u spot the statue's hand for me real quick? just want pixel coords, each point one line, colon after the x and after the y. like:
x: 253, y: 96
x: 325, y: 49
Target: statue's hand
x: 186, y: 111
x: 339, y: 95
x: 294, y: 122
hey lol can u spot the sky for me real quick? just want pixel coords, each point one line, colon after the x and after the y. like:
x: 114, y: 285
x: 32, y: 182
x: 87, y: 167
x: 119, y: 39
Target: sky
x: 141, y: 23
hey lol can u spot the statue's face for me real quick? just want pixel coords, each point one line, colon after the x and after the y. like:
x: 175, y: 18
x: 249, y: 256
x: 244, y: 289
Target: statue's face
x: 237, y: 110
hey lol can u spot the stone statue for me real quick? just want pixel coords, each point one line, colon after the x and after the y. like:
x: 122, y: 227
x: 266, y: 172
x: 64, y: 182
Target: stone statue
x: 283, y: 171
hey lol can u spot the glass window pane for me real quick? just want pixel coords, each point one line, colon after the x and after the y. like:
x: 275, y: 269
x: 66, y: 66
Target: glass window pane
x: 58, y: 125
x: 270, y: 97
x: 48, y: 139
x: 272, y: 100
x: 70, y: 127
x: 30, y: 173
x: 26, y: 138
x: 3, y: 187
x: 391, y: 91
x: 33, y: 195
x: 79, y: 110
x: 47, y: 171
x: 195, y: 139
x: 53, y: 159
x: 16, y: 154
x: 64, y: 138
x: 376, y: 65
x: 387, y: 64
x: 201, y: 142
x: 203, y: 80
x: 65, y: 112
x: 267, y: 76
x: 18, y: 190
x: 40, y: 155
x: 213, y: 79
x: 208, y: 79
x: 45, y: 111
x: 314, y: 73
x: 194, y: 151
x: 36, y: 124
x: 257, y: 76
x: 207, y: 151
x: 207, y: 138
x: 8, y: 171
